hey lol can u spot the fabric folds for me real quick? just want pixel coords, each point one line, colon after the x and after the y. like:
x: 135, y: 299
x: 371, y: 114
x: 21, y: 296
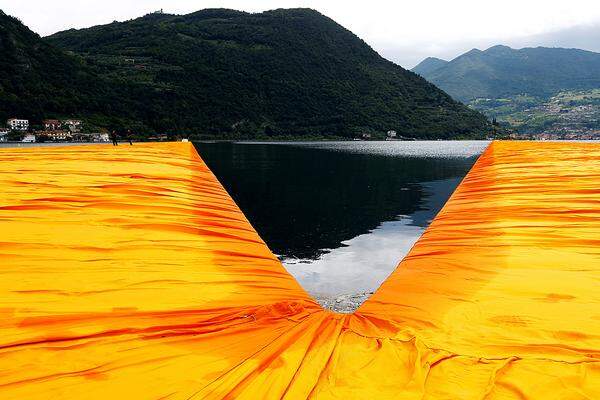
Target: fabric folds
x: 130, y: 273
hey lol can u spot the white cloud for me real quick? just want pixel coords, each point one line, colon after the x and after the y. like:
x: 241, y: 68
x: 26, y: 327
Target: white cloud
x: 404, y: 31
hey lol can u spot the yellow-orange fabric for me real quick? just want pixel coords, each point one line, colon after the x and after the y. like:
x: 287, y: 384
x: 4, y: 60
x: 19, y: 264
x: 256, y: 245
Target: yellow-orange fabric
x: 129, y: 273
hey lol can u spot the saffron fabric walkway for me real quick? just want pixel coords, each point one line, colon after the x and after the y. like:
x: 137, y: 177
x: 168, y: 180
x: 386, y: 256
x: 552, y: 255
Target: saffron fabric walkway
x: 129, y: 273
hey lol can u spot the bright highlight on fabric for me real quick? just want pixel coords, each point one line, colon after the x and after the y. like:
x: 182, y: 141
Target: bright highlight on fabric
x: 130, y: 273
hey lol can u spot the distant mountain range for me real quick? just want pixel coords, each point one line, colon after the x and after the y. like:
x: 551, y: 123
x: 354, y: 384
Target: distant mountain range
x: 501, y: 71
x: 223, y: 74
x: 545, y: 92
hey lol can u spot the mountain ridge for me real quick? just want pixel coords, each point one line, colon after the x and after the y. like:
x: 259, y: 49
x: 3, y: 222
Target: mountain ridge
x: 501, y: 71
x: 428, y: 65
x: 221, y: 73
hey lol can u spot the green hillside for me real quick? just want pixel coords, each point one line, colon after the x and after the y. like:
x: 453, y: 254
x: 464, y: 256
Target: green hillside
x: 36, y: 78
x: 532, y: 91
x: 428, y: 65
x: 39, y: 80
x: 500, y: 72
x: 225, y: 74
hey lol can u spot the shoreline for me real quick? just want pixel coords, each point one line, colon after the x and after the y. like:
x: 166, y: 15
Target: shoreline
x: 344, y: 303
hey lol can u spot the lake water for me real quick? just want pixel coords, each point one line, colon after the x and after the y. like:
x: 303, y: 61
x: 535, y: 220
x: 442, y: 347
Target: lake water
x: 341, y: 215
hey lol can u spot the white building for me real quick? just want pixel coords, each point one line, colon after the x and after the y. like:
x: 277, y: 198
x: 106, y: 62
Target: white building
x: 100, y: 137
x: 392, y: 134
x: 16, y: 124
x: 51, y: 124
x: 58, y: 135
x: 28, y: 139
x: 74, y: 125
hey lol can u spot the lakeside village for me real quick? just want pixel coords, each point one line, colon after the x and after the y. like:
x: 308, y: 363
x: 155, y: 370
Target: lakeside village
x: 55, y: 130
x: 51, y: 130
x: 70, y: 130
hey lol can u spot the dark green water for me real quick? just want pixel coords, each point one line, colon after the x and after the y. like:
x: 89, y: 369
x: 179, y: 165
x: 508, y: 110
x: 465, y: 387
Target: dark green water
x: 340, y: 215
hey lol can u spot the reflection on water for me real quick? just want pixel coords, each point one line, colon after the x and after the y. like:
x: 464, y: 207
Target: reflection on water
x: 360, y: 264
x: 340, y: 215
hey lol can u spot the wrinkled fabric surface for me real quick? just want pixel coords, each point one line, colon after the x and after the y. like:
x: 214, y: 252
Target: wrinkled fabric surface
x: 129, y: 273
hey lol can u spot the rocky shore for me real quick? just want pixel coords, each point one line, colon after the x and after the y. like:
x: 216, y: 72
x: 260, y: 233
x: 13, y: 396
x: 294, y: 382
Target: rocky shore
x: 345, y: 303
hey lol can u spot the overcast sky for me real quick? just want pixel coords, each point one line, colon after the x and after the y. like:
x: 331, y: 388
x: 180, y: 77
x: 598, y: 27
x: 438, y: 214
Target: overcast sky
x: 402, y: 31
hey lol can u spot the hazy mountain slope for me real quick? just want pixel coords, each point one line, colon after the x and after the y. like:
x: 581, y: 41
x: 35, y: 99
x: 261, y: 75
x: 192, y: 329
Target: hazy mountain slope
x: 224, y: 72
x: 501, y: 71
x: 35, y: 77
x: 39, y: 80
x: 428, y: 65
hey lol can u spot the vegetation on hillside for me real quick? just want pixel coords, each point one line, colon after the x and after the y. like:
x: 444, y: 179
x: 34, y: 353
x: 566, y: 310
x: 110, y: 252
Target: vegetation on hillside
x: 567, y: 112
x: 531, y: 91
x: 428, y: 65
x: 500, y: 72
x: 224, y: 74
x: 38, y: 80
x: 35, y: 77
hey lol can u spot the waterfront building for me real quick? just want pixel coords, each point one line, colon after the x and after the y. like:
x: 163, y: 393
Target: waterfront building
x: 51, y: 124
x: 74, y: 125
x: 100, y: 137
x: 59, y: 135
x: 28, y: 139
x: 17, y: 124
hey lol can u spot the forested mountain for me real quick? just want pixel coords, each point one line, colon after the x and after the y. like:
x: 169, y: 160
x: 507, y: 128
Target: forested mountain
x: 428, y: 65
x: 39, y: 80
x: 552, y: 92
x: 503, y: 72
x: 223, y: 74
x: 36, y: 77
